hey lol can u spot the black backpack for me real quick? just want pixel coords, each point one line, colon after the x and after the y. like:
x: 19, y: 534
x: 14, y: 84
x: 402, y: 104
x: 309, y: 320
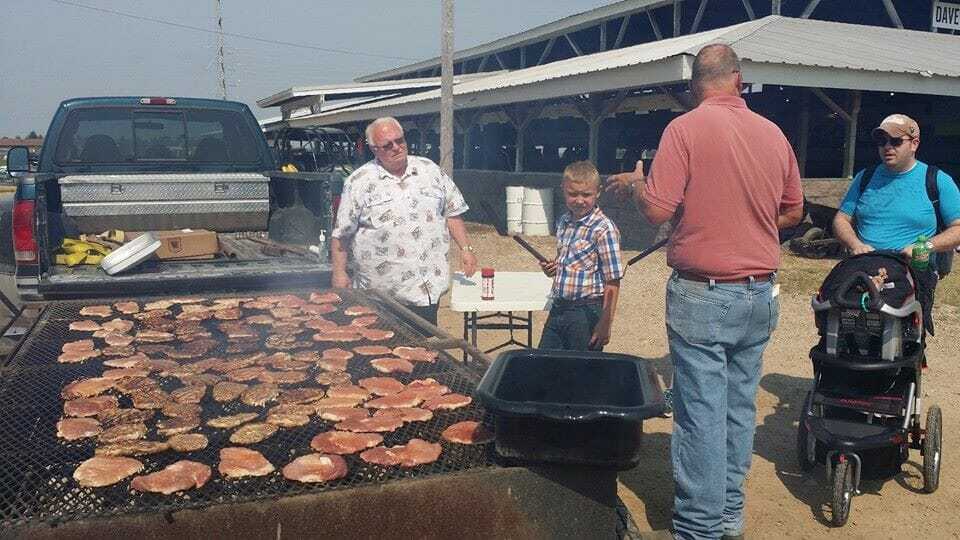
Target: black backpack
x: 944, y: 260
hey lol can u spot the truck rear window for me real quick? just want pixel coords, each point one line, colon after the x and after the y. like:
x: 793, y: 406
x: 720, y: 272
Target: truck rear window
x: 128, y: 135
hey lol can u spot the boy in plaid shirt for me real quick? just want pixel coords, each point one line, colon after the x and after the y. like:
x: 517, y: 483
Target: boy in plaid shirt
x: 587, y: 271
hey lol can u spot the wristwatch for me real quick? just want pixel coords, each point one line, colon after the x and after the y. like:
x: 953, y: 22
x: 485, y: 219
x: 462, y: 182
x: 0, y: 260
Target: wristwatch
x: 467, y: 248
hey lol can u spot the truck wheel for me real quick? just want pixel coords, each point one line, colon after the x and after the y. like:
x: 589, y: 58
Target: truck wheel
x: 842, y: 493
x: 932, y: 441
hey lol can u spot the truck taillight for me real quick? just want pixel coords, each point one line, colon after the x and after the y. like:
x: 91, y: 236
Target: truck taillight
x: 157, y: 101
x: 24, y: 244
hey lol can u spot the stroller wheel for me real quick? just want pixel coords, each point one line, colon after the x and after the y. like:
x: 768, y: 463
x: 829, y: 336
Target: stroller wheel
x: 804, y: 440
x: 931, y: 449
x: 842, y: 492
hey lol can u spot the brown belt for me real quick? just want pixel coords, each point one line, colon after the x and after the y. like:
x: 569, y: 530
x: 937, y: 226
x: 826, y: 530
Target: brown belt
x: 746, y: 279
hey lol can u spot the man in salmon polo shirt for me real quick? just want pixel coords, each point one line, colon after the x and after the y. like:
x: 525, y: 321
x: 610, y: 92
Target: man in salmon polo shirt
x: 729, y: 179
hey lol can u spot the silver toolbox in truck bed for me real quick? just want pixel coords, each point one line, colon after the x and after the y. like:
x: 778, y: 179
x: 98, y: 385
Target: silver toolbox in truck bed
x: 221, y: 202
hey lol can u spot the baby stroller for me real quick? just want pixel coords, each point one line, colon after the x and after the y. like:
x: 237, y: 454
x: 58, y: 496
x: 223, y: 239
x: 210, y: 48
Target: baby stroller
x: 862, y: 416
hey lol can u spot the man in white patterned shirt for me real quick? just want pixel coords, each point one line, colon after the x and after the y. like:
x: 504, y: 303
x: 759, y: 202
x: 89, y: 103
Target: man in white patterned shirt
x: 397, y: 214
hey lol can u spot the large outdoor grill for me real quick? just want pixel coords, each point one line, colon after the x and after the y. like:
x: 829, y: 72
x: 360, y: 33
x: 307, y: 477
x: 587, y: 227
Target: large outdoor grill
x: 39, y: 497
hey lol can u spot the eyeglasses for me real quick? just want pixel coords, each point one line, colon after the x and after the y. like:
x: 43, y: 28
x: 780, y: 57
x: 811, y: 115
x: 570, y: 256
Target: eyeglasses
x: 895, y: 142
x: 390, y: 145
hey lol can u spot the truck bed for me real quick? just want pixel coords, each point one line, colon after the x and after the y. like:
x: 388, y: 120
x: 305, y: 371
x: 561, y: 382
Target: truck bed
x: 242, y: 265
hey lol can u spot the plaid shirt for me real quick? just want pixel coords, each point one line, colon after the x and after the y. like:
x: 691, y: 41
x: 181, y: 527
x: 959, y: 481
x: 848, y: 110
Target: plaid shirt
x: 588, y: 255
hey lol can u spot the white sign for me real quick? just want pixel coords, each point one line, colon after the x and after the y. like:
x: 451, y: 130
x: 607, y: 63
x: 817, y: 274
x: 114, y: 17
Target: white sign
x: 945, y: 15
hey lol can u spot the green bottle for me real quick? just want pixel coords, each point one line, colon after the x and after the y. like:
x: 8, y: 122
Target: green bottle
x: 920, y: 257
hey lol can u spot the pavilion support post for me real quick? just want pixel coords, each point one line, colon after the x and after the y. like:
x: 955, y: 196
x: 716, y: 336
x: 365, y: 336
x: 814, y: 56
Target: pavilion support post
x: 593, y: 142
x: 467, y: 150
x: 850, y: 148
x: 518, y: 150
x: 424, y: 125
x: 463, y: 122
x: 803, y: 132
x: 593, y: 110
x: 520, y: 117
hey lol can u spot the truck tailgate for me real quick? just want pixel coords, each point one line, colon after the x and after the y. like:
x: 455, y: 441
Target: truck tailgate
x: 154, y: 277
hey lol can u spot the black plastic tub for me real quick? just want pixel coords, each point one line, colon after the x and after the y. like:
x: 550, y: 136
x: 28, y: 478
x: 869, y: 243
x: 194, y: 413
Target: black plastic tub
x: 575, y: 407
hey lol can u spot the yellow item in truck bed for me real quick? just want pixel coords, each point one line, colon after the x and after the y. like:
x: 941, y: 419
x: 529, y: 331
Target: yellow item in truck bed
x: 113, y: 235
x: 73, y: 252
x: 70, y: 259
x: 84, y: 247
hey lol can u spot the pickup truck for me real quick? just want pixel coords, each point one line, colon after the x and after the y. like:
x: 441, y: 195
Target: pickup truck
x: 146, y: 163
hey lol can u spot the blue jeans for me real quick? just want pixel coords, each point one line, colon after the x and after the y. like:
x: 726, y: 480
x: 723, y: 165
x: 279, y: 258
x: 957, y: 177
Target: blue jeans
x: 570, y: 328
x: 717, y: 335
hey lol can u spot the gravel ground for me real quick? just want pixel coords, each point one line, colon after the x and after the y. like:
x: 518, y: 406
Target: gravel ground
x: 781, y: 501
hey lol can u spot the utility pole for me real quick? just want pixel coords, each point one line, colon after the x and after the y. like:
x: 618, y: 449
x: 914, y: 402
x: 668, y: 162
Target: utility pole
x: 223, y: 71
x: 446, y: 88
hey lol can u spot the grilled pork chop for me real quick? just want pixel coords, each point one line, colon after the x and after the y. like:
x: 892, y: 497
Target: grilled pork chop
x: 315, y: 468
x: 100, y: 471
x: 239, y: 462
x: 468, y: 432
x: 179, y: 476
x: 344, y: 442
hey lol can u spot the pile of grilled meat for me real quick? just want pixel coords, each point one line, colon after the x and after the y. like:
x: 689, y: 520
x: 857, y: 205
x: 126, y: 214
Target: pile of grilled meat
x: 263, y: 364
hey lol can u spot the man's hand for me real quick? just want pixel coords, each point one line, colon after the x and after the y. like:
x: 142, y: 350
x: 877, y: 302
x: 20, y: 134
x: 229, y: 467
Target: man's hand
x: 601, y: 334
x: 549, y: 268
x: 860, y: 248
x: 468, y: 262
x: 625, y: 183
x: 340, y: 280
x: 907, y: 253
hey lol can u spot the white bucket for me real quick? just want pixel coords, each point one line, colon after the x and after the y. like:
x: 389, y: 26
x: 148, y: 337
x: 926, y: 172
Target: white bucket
x: 514, y: 209
x: 537, y: 211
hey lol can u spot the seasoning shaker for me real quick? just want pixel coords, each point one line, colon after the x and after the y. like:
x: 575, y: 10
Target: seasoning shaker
x: 486, y: 283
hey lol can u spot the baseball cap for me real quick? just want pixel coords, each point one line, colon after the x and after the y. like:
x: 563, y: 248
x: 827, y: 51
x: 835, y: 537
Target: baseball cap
x: 899, y: 125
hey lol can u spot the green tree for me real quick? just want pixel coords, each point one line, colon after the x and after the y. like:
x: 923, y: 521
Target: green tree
x: 33, y: 135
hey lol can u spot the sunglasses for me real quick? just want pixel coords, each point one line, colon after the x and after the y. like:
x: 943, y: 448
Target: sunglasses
x: 390, y: 145
x: 895, y: 142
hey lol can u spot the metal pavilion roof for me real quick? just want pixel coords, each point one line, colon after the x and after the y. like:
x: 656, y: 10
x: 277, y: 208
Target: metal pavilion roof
x: 773, y: 50
x: 556, y: 28
x: 358, y: 90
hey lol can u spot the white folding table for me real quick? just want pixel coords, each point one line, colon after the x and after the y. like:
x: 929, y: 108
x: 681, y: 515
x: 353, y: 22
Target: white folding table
x: 513, y: 291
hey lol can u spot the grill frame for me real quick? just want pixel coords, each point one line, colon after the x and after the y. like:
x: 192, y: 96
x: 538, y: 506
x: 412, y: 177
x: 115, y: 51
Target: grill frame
x: 36, y: 485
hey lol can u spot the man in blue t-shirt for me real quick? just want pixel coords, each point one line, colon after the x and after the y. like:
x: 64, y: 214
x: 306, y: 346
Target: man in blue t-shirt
x: 895, y: 209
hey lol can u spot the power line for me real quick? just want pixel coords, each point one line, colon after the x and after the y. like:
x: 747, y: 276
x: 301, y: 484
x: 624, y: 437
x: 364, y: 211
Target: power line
x: 231, y: 34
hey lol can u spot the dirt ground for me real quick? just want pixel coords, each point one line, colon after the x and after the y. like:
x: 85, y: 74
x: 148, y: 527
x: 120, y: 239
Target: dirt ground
x: 782, y: 502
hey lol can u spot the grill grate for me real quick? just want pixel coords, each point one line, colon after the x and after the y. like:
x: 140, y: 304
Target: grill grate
x: 36, y: 468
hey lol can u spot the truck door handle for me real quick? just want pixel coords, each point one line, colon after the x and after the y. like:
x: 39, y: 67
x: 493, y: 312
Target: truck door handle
x: 116, y: 189
x: 220, y: 187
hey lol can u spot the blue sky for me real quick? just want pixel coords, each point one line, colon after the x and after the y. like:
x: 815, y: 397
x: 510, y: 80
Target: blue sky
x: 54, y: 49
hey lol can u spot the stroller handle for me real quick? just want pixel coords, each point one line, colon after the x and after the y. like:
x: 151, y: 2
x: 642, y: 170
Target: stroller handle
x: 850, y: 293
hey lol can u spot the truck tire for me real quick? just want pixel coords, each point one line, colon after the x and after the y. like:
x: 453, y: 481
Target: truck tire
x: 294, y: 225
x: 626, y: 527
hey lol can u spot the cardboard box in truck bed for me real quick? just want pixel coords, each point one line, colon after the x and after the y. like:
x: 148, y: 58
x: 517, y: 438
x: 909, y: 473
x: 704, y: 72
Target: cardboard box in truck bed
x: 186, y: 244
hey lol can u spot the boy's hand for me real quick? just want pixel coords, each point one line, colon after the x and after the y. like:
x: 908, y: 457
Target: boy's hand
x: 625, y: 183
x: 601, y: 334
x: 549, y: 268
